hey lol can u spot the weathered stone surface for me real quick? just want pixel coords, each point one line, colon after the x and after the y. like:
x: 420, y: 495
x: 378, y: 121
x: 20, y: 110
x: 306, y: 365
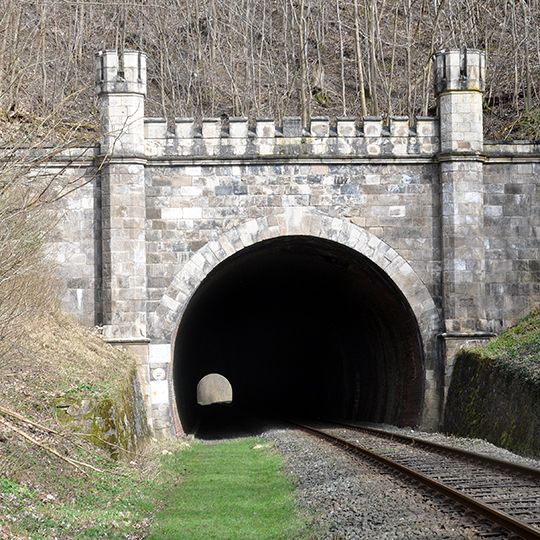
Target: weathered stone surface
x: 119, y: 425
x: 491, y: 402
x: 451, y: 219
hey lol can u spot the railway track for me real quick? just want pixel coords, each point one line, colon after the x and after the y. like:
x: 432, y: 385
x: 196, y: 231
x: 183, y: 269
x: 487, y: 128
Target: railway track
x: 505, y: 493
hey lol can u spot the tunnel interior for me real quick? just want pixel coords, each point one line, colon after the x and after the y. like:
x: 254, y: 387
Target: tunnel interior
x: 302, y: 327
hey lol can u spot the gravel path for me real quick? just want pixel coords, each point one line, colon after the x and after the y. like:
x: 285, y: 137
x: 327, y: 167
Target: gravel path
x: 351, y: 500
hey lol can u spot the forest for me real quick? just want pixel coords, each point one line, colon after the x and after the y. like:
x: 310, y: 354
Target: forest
x: 222, y: 58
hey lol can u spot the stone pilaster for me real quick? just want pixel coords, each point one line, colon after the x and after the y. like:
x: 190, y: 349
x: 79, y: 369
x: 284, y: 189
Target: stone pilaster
x: 121, y: 90
x: 459, y: 86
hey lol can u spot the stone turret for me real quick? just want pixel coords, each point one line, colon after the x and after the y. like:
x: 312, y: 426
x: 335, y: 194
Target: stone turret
x: 121, y: 87
x: 459, y: 86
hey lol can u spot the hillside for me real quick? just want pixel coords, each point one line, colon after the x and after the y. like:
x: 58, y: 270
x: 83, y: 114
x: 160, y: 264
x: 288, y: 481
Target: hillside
x: 264, y: 58
x: 55, y: 482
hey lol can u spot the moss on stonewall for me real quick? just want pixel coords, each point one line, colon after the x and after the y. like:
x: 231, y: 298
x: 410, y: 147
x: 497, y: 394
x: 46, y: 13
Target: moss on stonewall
x: 116, y: 424
x: 495, y: 390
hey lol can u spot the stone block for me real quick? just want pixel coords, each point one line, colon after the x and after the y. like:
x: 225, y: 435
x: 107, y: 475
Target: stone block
x: 184, y: 128
x: 427, y: 126
x: 265, y: 127
x: 292, y: 126
x: 373, y: 126
x: 238, y: 127
x: 211, y: 128
x: 320, y: 126
x: 346, y: 126
x: 155, y: 128
x: 399, y: 126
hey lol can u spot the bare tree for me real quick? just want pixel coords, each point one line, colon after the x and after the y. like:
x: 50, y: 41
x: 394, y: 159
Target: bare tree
x: 262, y: 57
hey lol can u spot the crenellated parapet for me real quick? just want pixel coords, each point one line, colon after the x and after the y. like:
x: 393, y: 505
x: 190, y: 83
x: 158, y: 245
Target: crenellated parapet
x: 347, y: 137
x: 120, y: 74
x: 459, y: 70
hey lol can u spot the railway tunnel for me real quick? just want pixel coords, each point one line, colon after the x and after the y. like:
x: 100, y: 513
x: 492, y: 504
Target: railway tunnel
x: 301, y: 326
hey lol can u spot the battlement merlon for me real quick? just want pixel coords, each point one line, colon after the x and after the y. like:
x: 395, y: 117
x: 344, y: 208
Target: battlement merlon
x: 121, y: 75
x: 347, y: 137
x: 459, y: 70
x: 291, y: 128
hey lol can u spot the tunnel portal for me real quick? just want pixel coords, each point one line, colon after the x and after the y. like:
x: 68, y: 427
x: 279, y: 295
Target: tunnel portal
x: 302, y: 326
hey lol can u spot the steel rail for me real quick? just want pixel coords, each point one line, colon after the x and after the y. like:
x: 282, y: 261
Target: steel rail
x: 506, y: 521
x: 523, y: 469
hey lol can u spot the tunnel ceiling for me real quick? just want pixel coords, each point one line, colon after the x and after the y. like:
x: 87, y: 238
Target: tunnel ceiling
x: 302, y: 326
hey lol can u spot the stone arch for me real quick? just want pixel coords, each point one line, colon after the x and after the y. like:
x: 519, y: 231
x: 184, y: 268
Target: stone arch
x: 299, y: 221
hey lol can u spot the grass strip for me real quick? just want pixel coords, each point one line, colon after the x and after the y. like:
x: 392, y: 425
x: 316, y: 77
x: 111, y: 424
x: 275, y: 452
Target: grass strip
x: 230, y: 490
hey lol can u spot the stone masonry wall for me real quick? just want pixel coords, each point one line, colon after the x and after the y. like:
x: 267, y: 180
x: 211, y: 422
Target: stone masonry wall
x: 190, y: 205
x: 76, y: 240
x: 512, y: 230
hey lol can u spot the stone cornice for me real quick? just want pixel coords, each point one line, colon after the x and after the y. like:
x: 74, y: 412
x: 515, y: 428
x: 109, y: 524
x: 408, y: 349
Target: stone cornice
x: 450, y: 157
x: 167, y: 161
x: 103, y: 160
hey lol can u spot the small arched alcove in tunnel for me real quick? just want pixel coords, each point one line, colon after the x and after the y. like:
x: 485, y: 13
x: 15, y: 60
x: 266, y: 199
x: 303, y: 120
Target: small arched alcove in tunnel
x: 302, y: 326
x: 214, y: 388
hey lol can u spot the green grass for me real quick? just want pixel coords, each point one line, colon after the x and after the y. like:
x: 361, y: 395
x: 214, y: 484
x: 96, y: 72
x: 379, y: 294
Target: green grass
x: 227, y: 491
x: 518, y: 349
x: 224, y: 491
x: 105, y: 505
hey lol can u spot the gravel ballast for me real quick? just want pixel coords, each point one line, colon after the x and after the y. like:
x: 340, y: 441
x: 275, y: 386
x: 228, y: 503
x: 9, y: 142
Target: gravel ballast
x: 348, y: 498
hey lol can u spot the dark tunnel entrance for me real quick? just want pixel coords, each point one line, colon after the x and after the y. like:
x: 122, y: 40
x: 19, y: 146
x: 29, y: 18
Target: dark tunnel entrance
x: 302, y: 326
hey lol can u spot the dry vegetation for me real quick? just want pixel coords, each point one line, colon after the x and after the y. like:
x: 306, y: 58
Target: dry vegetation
x: 55, y: 358
x: 267, y: 57
x: 53, y: 482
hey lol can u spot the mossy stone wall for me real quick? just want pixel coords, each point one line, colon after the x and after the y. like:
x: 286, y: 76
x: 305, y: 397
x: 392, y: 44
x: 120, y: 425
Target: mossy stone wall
x: 495, y: 402
x: 117, y: 424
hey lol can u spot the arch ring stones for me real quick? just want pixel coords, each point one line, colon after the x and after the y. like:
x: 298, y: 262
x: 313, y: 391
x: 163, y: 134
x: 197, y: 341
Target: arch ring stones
x: 297, y: 221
